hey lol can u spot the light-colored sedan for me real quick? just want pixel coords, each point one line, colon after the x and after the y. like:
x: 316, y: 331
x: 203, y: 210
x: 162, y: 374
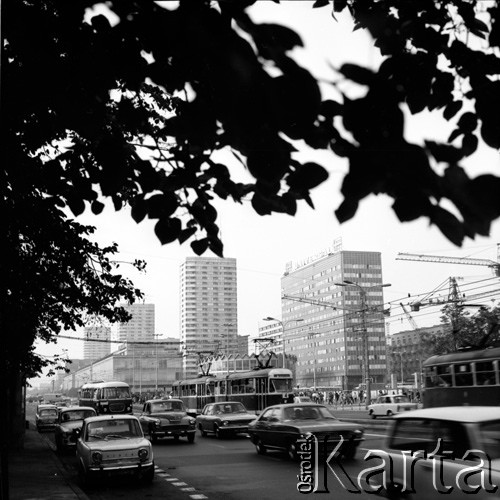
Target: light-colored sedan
x: 224, y: 419
x: 69, y: 419
x: 456, y: 450
x: 111, y: 445
x: 389, y: 405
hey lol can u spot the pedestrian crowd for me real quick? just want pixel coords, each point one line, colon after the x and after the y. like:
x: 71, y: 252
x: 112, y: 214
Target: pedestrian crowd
x: 350, y: 398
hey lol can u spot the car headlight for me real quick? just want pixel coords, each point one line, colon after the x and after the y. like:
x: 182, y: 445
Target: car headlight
x: 129, y: 408
x: 225, y: 422
x: 192, y: 421
x: 143, y: 454
x: 96, y: 457
x: 104, y: 410
x: 156, y: 421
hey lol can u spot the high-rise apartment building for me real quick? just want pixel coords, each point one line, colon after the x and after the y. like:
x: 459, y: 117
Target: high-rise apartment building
x: 209, y: 309
x: 327, y: 321
x: 141, y: 328
x: 97, y: 342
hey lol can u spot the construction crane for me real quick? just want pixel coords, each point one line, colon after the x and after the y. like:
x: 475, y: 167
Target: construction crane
x: 495, y: 266
x: 409, y: 317
x: 454, y: 297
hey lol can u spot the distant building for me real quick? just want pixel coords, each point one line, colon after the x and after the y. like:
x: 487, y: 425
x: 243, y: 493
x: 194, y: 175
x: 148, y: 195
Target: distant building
x: 406, y: 352
x: 208, y: 309
x: 145, y: 369
x: 97, y: 342
x: 326, y: 323
x: 141, y: 328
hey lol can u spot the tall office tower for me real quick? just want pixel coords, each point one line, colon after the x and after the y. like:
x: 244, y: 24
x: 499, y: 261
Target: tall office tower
x: 141, y: 328
x: 331, y: 326
x: 209, y: 309
x: 97, y: 343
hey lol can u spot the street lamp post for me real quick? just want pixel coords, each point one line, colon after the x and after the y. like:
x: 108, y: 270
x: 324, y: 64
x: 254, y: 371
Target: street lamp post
x: 366, y: 351
x: 283, y: 324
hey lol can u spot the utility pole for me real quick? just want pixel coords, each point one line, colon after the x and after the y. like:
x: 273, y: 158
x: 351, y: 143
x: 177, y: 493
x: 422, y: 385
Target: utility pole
x: 364, y: 330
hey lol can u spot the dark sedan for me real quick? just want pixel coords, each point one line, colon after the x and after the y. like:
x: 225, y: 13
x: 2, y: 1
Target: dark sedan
x: 285, y: 427
x: 167, y: 418
x: 230, y: 417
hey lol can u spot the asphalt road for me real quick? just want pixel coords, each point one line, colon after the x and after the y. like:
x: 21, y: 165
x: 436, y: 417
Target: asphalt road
x: 222, y: 469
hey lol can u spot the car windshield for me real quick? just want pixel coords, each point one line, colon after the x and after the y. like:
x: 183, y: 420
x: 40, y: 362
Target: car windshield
x: 113, y: 429
x: 229, y: 408
x: 307, y: 413
x: 115, y: 393
x: 48, y: 413
x: 70, y: 416
x: 162, y: 406
x: 490, y: 437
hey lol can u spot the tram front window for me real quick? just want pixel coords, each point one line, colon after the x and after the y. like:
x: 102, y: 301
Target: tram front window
x: 280, y: 385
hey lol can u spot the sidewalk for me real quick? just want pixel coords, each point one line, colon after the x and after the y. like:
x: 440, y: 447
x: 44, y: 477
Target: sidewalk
x: 36, y: 473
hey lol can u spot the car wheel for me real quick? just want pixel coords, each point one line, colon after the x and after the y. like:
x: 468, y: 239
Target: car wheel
x: 292, y: 451
x: 191, y: 437
x: 261, y: 449
x: 59, y: 446
x: 389, y: 413
x: 217, y: 432
x: 372, y: 414
x: 203, y: 432
x: 152, y: 436
x: 149, y: 475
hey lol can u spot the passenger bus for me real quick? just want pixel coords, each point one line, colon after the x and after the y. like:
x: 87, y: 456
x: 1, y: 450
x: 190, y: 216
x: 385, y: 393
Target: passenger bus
x: 469, y: 378
x: 256, y: 389
x: 106, y: 397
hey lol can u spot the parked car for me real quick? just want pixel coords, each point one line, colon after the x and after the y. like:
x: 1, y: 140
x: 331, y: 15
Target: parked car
x: 285, y: 426
x: 223, y: 419
x: 46, y: 417
x: 69, y: 419
x: 467, y: 434
x: 110, y: 445
x: 167, y: 418
x: 389, y: 405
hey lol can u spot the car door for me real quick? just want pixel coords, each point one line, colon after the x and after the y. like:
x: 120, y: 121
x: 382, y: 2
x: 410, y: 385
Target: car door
x: 205, y: 418
x: 275, y: 428
x: 262, y: 426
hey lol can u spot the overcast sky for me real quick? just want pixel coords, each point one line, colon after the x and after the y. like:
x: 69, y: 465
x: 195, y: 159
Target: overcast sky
x: 263, y: 245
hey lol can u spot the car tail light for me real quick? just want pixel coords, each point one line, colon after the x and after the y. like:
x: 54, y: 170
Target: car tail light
x: 143, y: 454
x: 97, y: 457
